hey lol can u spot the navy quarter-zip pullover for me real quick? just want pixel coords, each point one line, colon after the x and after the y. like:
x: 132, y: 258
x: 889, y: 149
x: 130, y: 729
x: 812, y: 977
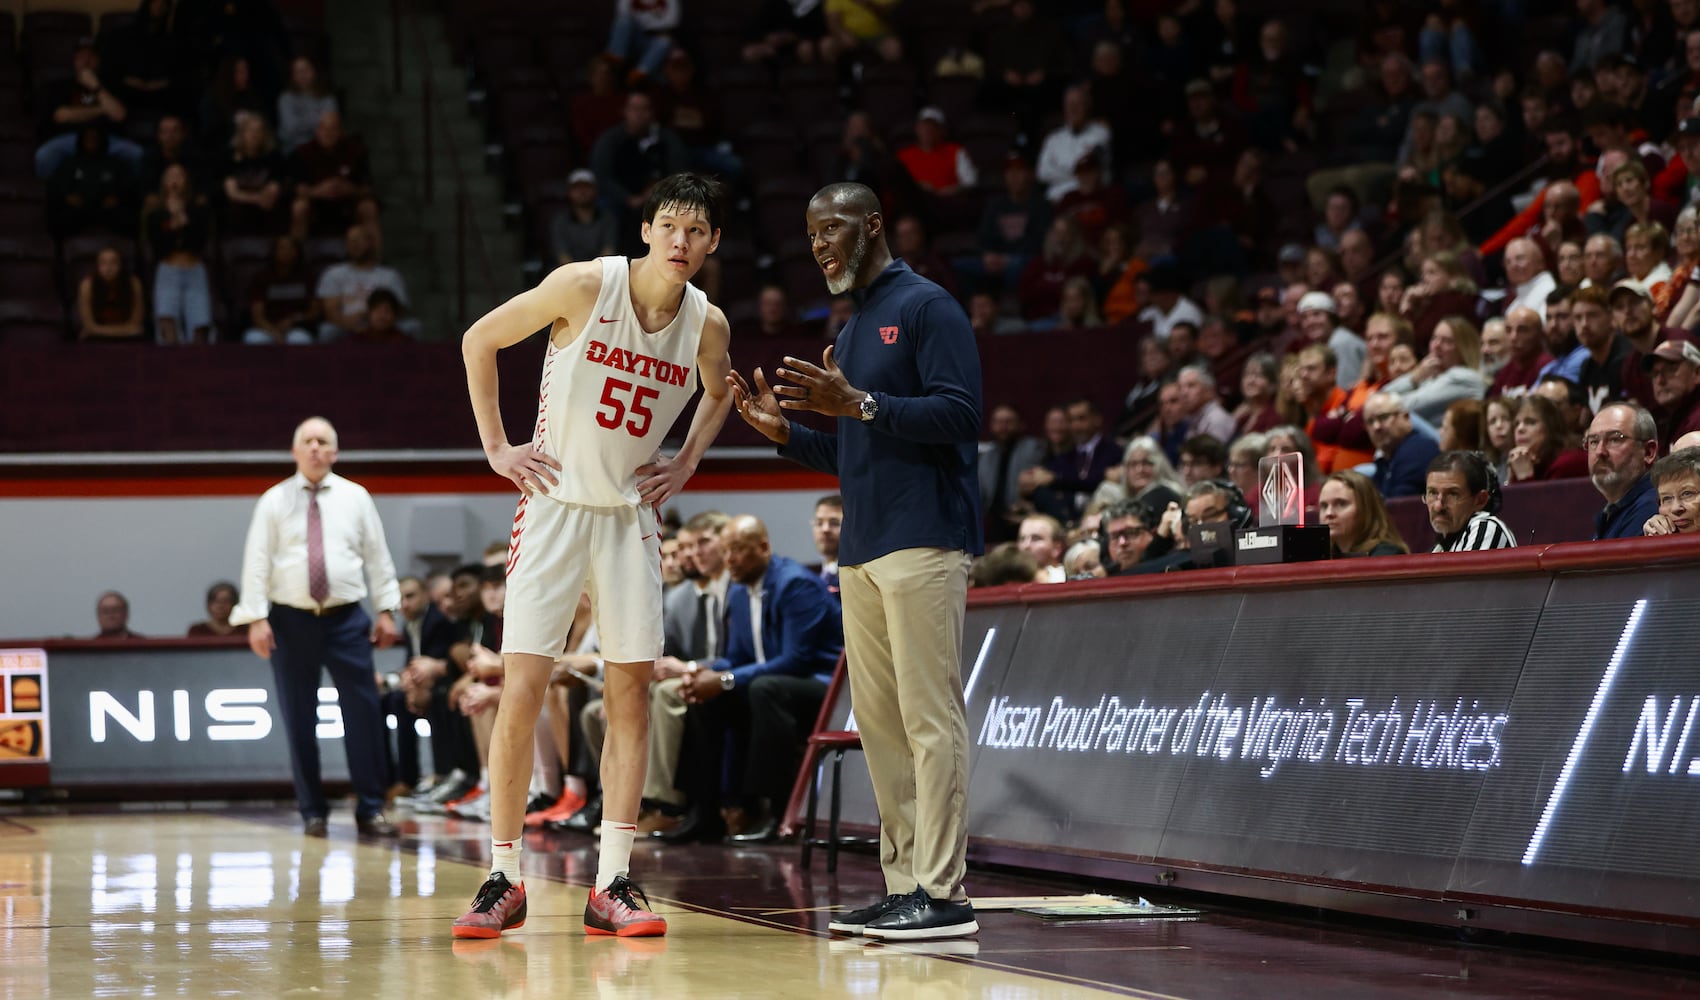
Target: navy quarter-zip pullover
x: 908, y: 476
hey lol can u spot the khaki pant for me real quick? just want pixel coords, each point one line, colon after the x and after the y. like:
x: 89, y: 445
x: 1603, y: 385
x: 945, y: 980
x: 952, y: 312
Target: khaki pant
x: 666, y: 738
x: 903, y: 641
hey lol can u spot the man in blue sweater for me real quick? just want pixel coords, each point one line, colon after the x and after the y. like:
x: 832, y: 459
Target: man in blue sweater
x: 783, y: 638
x: 1402, y: 453
x: 903, y: 381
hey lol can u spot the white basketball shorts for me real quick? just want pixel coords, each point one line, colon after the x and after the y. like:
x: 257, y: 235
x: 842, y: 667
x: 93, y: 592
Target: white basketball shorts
x: 558, y: 550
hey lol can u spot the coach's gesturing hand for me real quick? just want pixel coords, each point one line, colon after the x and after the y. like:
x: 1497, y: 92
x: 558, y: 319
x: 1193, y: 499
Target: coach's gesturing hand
x: 759, y: 408
x: 823, y: 389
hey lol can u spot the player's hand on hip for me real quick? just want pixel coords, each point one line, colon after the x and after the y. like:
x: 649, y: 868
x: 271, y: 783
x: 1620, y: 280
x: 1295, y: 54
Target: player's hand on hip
x: 662, y: 479
x: 822, y: 389
x: 759, y: 407
x: 527, y: 465
x: 260, y: 639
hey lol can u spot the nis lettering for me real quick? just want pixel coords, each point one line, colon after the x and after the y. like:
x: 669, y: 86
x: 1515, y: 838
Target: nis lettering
x: 643, y: 365
x: 1661, y: 743
x: 225, y: 714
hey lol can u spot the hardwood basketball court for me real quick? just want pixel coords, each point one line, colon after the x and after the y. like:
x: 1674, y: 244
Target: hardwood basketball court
x: 236, y: 902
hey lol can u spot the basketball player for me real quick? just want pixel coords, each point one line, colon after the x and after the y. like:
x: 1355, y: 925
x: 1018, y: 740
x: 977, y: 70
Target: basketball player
x: 628, y: 341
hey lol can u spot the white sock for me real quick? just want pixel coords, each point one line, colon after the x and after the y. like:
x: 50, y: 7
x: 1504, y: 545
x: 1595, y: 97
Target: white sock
x: 615, y: 858
x: 504, y: 858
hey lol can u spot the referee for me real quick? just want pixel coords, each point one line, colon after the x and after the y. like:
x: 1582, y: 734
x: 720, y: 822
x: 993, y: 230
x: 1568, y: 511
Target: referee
x: 315, y: 550
x: 903, y: 379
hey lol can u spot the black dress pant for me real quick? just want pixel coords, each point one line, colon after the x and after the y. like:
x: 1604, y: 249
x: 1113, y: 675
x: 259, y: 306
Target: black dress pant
x: 748, y: 743
x: 338, y: 641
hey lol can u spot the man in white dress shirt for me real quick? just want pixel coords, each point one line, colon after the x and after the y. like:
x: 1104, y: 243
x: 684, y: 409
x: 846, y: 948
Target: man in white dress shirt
x: 315, y: 550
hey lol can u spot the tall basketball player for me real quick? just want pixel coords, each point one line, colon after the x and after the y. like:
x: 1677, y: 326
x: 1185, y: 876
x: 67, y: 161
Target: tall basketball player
x: 628, y: 342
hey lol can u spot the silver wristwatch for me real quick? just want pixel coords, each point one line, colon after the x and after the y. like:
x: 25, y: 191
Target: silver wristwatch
x: 870, y: 407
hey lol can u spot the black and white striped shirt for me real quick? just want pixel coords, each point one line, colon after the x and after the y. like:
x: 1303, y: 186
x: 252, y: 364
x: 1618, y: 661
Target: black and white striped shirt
x: 1483, y: 531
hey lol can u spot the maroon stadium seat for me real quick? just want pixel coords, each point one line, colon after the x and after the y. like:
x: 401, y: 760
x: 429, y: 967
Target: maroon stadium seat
x: 23, y: 189
x: 538, y: 163
x: 496, y: 54
x: 246, y: 248
x: 26, y: 246
x: 21, y: 278
x: 954, y: 95
x: 737, y: 269
x: 806, y: 104
x: 17, y: 158
x: 799, y: 272
x: 323, y: 251
x: 31, y: 333
x: 769, y: 149
x: 779, y: 208
x: 22, y: 217
x: 746, y: 97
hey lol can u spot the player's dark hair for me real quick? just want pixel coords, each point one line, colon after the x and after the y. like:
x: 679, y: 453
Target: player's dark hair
x: 687, y: 191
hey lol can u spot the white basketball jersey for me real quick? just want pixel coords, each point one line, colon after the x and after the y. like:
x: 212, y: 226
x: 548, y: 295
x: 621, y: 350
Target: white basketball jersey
x: 609, y: 397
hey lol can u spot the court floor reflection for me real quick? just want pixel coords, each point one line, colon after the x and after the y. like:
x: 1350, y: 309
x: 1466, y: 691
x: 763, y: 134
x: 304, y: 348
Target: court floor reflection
x: 203, y: 905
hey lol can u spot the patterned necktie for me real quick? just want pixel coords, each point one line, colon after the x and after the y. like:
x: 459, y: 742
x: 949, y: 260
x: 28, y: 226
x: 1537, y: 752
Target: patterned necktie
x: 318, y: 581
x: 699, y: 630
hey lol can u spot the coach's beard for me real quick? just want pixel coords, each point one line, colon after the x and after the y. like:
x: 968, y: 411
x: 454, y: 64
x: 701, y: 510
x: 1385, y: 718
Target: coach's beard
x: 852, y: 267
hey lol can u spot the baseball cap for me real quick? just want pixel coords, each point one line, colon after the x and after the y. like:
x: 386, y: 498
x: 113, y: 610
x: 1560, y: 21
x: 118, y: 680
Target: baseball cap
x: 1318, y: 300
x: 1292, y: 253
x: 931, y: 114
x: 1672, y: 350
x: 1630, y: 285
x: 581, y: 176
x: 1198, y: 87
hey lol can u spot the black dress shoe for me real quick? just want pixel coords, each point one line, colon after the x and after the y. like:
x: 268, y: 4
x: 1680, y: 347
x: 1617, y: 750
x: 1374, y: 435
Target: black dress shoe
x: 376, y: 825
x: 692, y: 826
x: 317, y: 827
x: 765, y: 831
x: 583, y: 821
x: 919, y: 917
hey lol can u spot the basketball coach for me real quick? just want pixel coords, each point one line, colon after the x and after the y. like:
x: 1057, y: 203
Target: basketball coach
x: 903, y: 381
x: 314, y: 545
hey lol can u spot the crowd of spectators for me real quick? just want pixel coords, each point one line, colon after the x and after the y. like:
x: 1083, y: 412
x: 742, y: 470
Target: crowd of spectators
x: 1373, y: 236
x: 192, y: 179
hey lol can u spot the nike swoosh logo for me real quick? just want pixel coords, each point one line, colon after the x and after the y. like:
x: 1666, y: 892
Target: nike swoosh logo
x: 607, y: 320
